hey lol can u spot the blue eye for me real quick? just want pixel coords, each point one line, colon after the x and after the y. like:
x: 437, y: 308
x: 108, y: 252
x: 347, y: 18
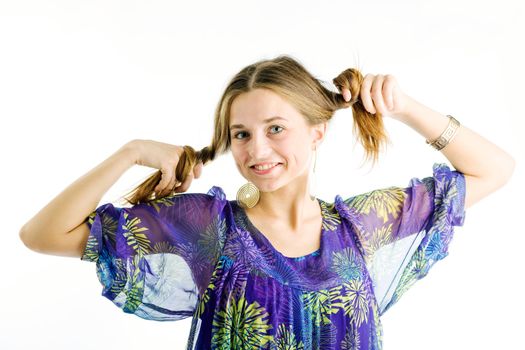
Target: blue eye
x: 237, y: 134
x: 273, y: 126
x: 277, y: 126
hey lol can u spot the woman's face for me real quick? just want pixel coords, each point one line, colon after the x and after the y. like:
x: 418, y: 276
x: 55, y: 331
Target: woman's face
x: 266, y: 130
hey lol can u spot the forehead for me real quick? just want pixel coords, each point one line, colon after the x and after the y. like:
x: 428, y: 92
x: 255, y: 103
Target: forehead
x: 260, y: 104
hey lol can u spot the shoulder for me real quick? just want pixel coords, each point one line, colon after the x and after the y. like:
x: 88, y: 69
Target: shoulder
x: 190, y: 202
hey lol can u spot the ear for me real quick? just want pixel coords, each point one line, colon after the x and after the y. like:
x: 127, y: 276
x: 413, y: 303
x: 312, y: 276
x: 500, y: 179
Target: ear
x: 318, y: 132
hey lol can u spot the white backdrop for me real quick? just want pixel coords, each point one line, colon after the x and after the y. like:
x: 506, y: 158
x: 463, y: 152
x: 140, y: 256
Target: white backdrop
x: 78, y: 79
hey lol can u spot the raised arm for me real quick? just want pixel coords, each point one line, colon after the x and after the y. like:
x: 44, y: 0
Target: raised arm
x: 58, y: 228
x: 486, y: 166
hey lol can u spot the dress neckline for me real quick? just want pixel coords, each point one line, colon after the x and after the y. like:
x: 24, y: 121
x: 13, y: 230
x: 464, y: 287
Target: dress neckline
x: 255, y: 230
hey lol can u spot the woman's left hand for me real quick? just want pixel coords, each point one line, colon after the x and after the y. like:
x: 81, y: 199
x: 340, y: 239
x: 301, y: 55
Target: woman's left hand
x: 381, y: 93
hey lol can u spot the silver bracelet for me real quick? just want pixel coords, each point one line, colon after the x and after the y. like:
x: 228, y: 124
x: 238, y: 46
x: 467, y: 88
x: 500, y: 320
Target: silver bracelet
x: 447, y: 135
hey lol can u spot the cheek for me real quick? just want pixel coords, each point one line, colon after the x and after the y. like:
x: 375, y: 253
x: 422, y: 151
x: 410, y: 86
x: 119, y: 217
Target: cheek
x: 235, y: 150
x: 238, y: 156
x: 296, y: 149
x: 302, y: 160
x: 239, y: 169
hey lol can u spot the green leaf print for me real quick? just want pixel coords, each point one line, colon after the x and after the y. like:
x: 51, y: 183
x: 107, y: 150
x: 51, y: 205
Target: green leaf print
x: 241, y: 326
x: 165, y: 201
x: 351, y: 340
x: 285, y: 339
x: 346, y: 264
x: 91, y: 250
x: 134, y: 236
x: 384, y: 201
x: 331, y: 216
x: 320, y: 304
x: 378, y: 238
x: 134, y: 295
x: 356, y: 301
x: 109, y: 227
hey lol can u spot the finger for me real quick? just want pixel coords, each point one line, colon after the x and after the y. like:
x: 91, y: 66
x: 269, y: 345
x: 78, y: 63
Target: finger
x: 388, y: 91
x: 185, y: 184
x: 347, y: 95
x: 366, y: 98
x: 377, y: 94
x: 171, y: 185
x: 167, y: 174
x: 197, y: 170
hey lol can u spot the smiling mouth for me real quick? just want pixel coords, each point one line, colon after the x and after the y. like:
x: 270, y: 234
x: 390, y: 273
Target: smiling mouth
x: 264, y: 169
x: 266, y: 165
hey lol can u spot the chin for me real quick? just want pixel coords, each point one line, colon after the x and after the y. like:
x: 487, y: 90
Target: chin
x: 269, y: 186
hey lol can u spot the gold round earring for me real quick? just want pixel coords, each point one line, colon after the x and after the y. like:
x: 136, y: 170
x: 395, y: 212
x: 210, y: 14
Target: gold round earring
x: 248, y: 195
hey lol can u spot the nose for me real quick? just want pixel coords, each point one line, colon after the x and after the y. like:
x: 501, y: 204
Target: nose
x: 258, y: 147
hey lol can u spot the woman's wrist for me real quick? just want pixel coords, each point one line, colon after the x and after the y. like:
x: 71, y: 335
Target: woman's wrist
x: 427, y: 122
x: 131, y: 151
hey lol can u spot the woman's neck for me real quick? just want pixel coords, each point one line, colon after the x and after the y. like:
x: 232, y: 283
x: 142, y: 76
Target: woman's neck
x: 294, y: 210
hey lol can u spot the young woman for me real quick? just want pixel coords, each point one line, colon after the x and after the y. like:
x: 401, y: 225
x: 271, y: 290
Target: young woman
x: 276, y: 268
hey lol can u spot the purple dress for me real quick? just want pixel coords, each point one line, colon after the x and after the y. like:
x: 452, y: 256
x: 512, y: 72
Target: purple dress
x: 198, y: 255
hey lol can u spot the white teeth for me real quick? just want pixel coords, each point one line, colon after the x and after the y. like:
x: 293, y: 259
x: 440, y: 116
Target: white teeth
x: 265, y: 167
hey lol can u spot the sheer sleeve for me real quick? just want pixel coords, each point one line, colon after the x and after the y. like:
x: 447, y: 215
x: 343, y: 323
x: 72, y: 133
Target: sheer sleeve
x: 155, y: 259
x: 402, y: 231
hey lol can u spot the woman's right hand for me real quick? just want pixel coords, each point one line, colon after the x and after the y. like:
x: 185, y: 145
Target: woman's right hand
x: 164, y: 157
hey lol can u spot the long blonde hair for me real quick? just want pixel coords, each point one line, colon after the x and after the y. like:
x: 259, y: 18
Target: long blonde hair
x: 287, y: 77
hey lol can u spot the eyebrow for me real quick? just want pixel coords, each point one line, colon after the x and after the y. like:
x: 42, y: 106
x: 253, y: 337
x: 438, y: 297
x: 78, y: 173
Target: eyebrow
x: 240, y: 126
